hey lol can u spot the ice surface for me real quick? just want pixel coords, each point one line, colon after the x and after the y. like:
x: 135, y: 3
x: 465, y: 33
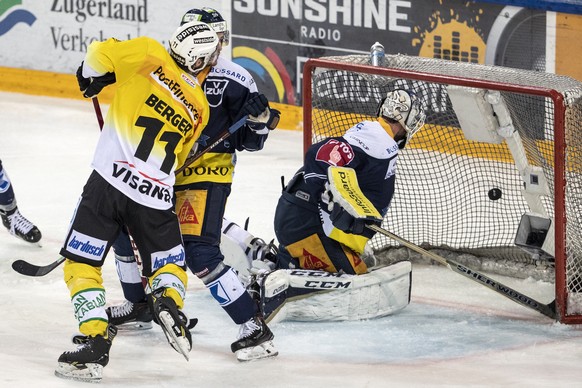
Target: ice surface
x: 454, y: 333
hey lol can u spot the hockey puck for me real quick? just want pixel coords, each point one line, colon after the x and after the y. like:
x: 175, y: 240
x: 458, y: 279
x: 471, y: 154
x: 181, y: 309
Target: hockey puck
x: 494, y: 194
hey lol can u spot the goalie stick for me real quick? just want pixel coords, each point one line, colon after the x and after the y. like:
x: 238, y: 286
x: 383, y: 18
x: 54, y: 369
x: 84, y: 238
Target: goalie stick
x: 548, y: 310
x: 25, y: 268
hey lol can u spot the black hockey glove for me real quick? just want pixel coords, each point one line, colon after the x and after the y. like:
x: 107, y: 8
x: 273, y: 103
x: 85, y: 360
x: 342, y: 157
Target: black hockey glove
x: 344, y: 221
x: 93, y: 85
x: 261, y: 117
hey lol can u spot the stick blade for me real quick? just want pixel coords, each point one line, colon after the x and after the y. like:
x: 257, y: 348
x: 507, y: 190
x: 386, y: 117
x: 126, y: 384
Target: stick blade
x: 25, y: 268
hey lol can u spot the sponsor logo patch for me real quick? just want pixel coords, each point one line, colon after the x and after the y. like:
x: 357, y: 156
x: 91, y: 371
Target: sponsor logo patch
x: 87, y: 303
x: 125, y: 172
x: 86, y: 246
x: 219, y: 294
x: 335, y: 153
x: 187, y: 214
x: 214, y: 89
x: 312, y: 262
x: 175, y: 255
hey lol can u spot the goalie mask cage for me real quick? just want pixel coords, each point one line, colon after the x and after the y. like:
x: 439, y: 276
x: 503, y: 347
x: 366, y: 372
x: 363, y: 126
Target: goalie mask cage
x: 494, y: 175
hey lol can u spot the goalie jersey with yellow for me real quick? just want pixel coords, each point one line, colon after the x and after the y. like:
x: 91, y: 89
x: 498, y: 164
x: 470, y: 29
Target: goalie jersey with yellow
x: 370, y: 150
x: 137, y: 153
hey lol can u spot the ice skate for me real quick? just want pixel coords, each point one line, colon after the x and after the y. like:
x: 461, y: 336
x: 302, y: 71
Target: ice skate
x: 87, y: 362
x: 130, y: 316
x: 255, y: 341
x: 258, y: 249
x: 19, y: 226
x: 174, y: 323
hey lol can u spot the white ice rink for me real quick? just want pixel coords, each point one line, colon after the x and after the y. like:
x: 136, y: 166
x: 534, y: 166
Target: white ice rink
x: 454, y: 333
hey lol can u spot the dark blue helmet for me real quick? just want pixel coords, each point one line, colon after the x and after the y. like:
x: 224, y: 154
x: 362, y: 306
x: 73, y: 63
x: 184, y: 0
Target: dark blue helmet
x: 211, y: 17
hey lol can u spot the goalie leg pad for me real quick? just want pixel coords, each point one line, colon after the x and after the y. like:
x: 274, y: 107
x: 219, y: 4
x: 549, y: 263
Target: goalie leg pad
x: 274, y: 288
x: 235, y: 257
x: 302, y: 295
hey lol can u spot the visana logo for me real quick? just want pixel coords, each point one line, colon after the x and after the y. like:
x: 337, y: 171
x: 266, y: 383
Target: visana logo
x: 144, y: 186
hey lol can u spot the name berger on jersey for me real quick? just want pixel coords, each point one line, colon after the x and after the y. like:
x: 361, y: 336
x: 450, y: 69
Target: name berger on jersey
x: 162, y: 108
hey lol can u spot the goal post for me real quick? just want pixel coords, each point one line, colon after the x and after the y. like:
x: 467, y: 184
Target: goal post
x: 494, y: 176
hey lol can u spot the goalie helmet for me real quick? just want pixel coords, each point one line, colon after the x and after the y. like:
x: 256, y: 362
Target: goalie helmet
x: 193, y: 46
x: 404, y: 107
x: 211, y: 17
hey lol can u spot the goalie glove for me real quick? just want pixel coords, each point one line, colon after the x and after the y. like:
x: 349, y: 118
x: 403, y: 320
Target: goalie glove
x: 349, y: 209
x: 261, y: 117
x: 345, y: 221
x: 93, y: 85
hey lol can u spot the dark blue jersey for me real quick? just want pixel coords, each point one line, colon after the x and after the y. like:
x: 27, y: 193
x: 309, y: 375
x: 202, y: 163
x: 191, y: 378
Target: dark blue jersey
x: 369, y: 150
x: 228, y: 87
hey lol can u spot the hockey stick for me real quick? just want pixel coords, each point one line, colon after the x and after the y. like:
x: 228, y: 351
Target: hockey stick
x: 98, y: 113
x: 28, y: 269
x: 548, y: 310
x: 225, y: 134
x: 25, y: 268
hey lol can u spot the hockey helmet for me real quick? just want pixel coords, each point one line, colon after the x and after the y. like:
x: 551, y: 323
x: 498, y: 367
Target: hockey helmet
x: 194, y: 46
x: 404, y: 107
x: 211, y: 17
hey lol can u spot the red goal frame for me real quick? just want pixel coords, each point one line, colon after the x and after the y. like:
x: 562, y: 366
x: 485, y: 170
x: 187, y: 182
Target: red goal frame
x: 561, y: 291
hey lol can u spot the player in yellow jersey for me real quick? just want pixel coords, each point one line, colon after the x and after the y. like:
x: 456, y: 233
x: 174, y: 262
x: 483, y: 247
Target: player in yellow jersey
x: 202, y: 190
x: 158, y: 112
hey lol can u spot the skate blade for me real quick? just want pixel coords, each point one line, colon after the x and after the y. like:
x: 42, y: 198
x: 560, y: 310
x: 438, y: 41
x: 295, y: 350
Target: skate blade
x: 92, y: 373
x: 179, y: 343
x: 135, y: 326
x: 264, y: 350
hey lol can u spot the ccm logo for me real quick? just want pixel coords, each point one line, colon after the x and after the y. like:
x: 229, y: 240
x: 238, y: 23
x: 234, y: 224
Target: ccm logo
x: 322, y: 284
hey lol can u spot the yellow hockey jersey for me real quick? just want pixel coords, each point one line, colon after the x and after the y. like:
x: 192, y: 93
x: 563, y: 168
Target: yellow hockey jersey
x: 156, y: 115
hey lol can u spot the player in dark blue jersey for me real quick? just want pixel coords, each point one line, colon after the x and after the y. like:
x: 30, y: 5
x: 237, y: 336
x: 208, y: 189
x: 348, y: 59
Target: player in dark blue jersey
x: 314, y: 234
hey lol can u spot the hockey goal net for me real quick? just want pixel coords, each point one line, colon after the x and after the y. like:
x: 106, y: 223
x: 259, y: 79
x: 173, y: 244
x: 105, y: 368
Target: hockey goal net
x: 495, y: 175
